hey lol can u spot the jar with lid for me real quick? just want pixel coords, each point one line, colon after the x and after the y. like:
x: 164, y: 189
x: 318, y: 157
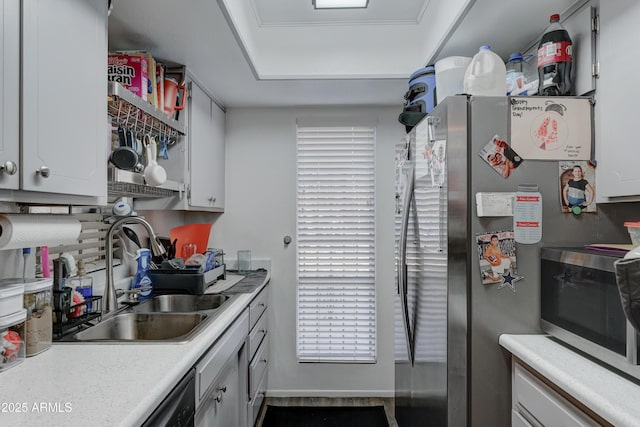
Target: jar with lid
x: 38, y: 301
x: 12, y: 333
x: 11, y: 296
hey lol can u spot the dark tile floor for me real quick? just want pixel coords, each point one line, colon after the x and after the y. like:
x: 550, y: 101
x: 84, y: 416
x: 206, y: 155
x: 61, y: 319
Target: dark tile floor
x: 328, y: 401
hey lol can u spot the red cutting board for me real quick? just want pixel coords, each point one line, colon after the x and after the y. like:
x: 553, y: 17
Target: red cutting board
x: 191, y: 233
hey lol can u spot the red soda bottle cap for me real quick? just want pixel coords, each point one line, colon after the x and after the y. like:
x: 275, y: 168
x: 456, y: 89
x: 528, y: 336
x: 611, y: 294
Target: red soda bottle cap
x: 554, y: 17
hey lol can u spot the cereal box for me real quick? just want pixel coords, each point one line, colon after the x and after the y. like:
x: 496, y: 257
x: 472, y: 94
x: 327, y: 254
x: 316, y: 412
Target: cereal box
x: 131, y: 71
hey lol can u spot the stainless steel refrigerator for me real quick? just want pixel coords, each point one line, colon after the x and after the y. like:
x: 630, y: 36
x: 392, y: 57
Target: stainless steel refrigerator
x: 450, y: 369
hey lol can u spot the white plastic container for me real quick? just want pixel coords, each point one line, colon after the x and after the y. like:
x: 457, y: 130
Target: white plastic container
x: 38, y: 301
x: 634, y: 232
x: 486, y: 74
x: 450, y: 76
x: 12, y: 333
x: 11, y: 296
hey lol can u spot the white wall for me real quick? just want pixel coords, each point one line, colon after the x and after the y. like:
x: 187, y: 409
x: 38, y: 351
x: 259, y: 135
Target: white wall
x: 261, y: 209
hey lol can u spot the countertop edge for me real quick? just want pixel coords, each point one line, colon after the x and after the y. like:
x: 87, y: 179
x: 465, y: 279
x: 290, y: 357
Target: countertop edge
x: 608, y: 394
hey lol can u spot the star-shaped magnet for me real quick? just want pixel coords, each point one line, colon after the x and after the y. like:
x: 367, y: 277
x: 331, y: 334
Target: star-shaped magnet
x: 509, y: 280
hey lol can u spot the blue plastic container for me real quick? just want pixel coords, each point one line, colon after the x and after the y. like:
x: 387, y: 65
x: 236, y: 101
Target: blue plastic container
x: 422, y: 88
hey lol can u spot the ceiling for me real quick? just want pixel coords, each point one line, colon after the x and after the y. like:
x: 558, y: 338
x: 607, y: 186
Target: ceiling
x: 285, y: 53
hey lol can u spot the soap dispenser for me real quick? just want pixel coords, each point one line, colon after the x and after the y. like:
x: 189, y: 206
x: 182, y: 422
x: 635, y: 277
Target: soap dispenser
x: 142, y: 280
x: 83, y: 284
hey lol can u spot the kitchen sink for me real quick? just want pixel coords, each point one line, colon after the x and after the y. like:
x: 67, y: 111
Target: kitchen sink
x: 181, y: 303
x: 161, y: 319
x: 144, y: 327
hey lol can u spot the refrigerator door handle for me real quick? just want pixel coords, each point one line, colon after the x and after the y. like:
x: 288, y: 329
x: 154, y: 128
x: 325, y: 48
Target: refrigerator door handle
x: 402, y: 262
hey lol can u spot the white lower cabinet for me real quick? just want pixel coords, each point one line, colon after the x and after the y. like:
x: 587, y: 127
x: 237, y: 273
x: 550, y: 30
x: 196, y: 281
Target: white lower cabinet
x: 258, y: 355
x: 221, y: 379
x: 222, y: 404
x: 231, y: 378
x: 534, y: 403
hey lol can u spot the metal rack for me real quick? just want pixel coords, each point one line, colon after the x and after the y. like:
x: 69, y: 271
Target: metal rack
x: 131, y: 184
x: 64, y: 320
x: 131, y: 112
x: 134, y: 113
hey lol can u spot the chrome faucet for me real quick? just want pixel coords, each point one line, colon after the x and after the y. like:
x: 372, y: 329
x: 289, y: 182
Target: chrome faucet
x: 110, y: 299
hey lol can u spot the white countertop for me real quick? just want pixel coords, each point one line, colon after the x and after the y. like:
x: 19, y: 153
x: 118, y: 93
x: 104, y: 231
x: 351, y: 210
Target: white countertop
x: 105, y: 384
x: 608, y: 394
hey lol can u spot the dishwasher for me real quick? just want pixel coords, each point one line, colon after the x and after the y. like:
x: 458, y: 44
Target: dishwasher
x: 178, y: 409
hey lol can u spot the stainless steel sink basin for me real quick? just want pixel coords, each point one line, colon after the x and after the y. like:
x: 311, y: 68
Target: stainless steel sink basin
x: 144, y: 327
x: 181, y: 303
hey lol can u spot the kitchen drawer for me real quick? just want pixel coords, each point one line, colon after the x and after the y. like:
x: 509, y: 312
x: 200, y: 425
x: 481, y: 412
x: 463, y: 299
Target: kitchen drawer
x: 257, y: 307
x: 258, y: 366
x: 212, y: 363
x: 257, y: 334
x: 256, y: 403
x: 518, y: 420
x: 547, y: 406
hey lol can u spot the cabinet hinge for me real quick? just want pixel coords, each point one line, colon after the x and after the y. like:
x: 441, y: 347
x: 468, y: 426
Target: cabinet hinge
x: 595, y: 24
x: 595, y: 70
x: 188, y: 192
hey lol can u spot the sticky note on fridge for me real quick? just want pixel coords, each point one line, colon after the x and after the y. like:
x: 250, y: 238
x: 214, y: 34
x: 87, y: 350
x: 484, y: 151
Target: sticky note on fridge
x: 494, y: 204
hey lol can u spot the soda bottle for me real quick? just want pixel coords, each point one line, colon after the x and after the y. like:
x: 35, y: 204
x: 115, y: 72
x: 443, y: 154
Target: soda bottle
x: 554, y: 60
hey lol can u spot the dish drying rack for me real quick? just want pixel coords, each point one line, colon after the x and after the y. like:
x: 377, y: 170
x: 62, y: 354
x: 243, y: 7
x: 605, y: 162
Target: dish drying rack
x: 68, y: 318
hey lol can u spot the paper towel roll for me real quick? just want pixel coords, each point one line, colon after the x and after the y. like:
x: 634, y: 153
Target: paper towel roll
x: 27, y: 231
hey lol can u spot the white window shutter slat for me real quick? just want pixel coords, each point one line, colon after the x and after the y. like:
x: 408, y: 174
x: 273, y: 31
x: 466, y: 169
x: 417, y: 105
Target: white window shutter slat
x: 336, y: 244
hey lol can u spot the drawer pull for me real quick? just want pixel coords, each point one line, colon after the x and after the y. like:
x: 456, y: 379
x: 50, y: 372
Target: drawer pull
x: 43, y: 171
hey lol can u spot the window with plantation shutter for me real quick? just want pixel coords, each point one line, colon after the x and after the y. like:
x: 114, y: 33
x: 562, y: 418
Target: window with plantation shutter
x: 90, y: 246
x: 336, y: 317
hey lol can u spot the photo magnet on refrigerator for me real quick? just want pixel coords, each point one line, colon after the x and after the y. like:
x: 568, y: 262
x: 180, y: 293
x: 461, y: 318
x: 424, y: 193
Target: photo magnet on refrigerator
x: 500, y: 156
x: 497, y: 259
x: 577, y: 187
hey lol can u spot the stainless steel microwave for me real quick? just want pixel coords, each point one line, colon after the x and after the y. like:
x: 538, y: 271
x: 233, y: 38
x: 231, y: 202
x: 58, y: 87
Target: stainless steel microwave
x: 580, y: 305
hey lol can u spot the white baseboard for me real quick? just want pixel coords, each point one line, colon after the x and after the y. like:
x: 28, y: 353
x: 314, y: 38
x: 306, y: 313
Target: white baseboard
x: 331, y: 393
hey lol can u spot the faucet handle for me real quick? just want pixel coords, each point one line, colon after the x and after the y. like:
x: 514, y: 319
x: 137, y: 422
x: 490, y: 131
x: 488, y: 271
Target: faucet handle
x: 132, y: 293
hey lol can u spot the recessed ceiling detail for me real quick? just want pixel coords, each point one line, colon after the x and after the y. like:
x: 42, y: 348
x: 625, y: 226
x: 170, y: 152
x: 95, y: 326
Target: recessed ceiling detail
x: 302, y: 12
x: 288, y: 39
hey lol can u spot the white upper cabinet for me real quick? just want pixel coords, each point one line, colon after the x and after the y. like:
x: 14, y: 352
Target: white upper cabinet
x: 10, y: 94
x: 618, y: 140
x: 64, y: 113
x: 206, y: 148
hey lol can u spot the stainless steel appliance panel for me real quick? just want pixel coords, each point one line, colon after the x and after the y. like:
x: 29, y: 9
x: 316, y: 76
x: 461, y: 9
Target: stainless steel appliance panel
x: 475, y: 389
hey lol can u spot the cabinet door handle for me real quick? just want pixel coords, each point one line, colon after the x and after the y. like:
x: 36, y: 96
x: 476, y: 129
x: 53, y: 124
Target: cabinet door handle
x: 44, y: 171
x: 9, y: 167
x: 218, y: 398
x: 264, y: 360
x: 263, y: 331
x: 223, y: 389
x: 212, y: 199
